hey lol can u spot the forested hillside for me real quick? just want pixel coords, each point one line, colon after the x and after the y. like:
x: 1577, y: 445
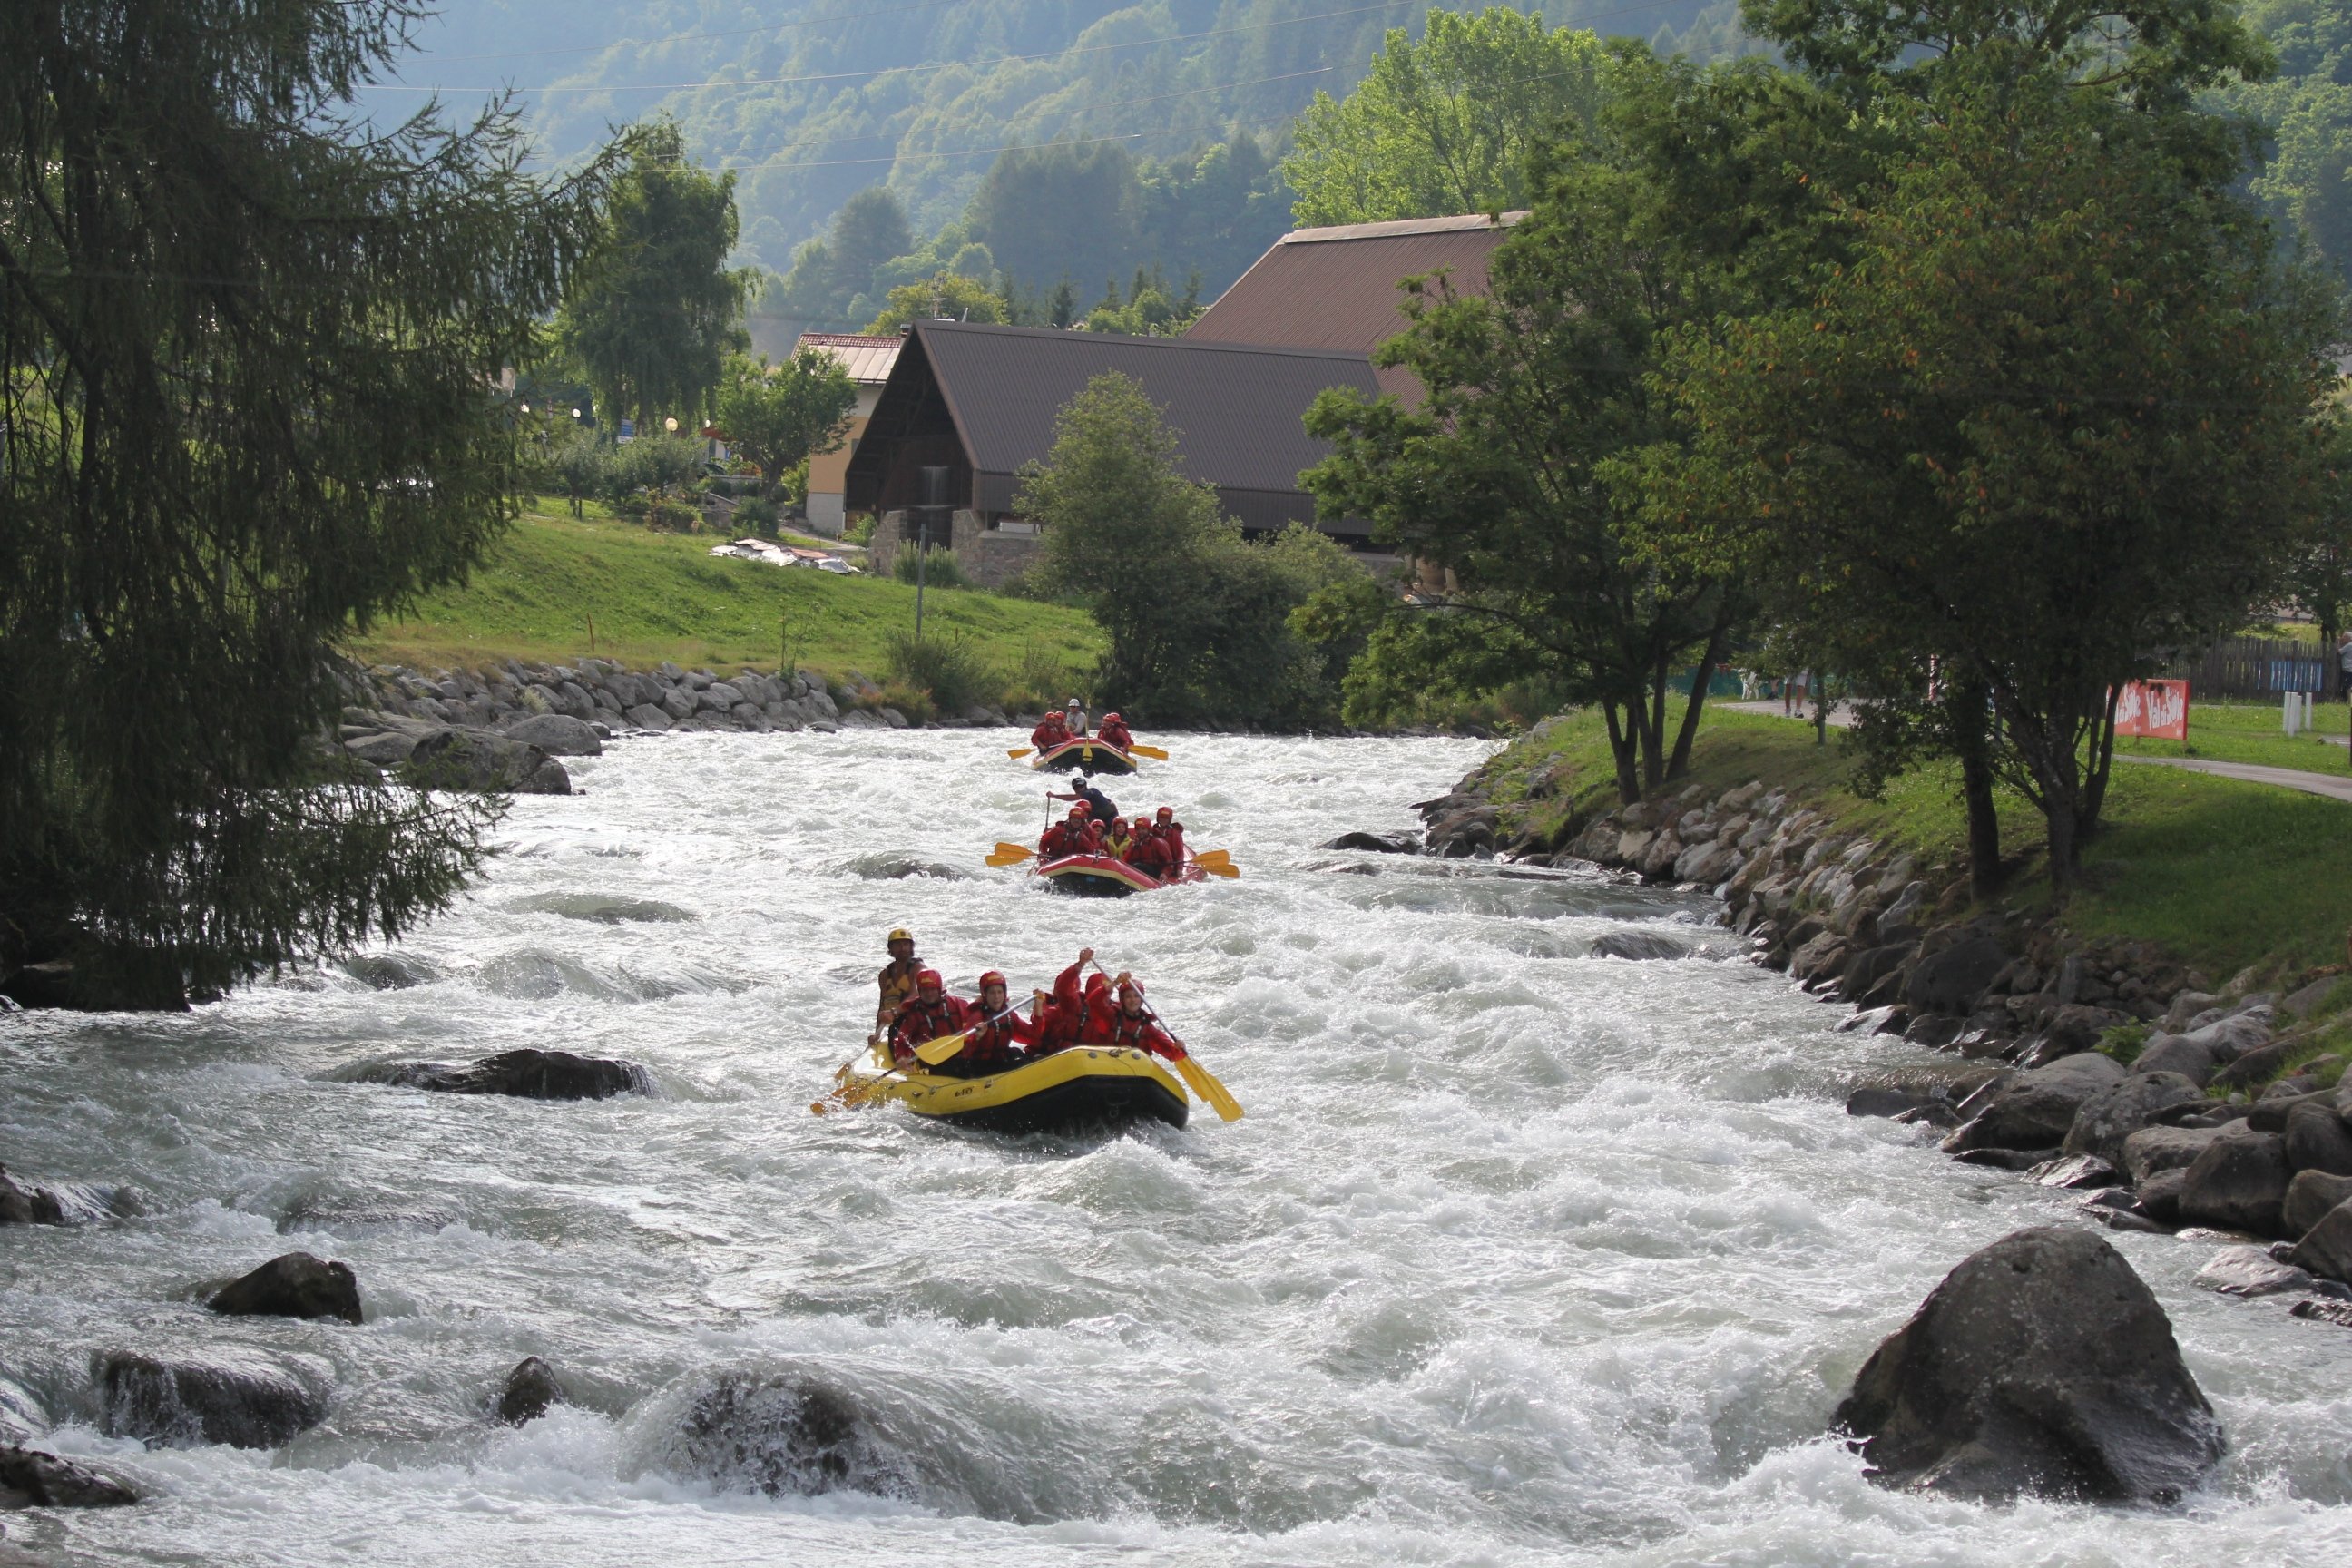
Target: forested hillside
x: 815, y: 101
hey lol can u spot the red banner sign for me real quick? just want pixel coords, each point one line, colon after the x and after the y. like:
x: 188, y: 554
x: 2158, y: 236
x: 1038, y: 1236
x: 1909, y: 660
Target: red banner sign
x: 2156, y: 708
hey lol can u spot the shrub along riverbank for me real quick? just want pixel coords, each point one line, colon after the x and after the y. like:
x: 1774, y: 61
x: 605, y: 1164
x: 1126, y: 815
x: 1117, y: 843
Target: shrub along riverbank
x: 2171, y: 1038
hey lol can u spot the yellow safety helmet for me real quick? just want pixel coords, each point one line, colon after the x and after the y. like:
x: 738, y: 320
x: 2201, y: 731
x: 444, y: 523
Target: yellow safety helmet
x: 899, y: 934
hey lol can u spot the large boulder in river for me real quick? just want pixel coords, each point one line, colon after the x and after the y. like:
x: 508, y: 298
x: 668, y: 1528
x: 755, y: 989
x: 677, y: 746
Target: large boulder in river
x: 2036, y: 1109
x: 2239, y: 1182
x: 246, y: 1403
x: 30, y: 1478
x: 557, y: 734
x: 784, y: 1435
x: 294, y: 1285
x: 2043, y: 1365
x: 479, y: 763
x: 526, y: 1074
x: 2112, y: 1115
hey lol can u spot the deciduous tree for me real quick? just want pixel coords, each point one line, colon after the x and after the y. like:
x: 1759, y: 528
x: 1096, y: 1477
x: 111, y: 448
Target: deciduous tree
x: 778, y: 417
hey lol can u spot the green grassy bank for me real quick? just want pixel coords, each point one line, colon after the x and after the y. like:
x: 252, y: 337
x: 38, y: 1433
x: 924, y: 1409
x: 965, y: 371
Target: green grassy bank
x: 654, y: 597
x: 2225, y: 874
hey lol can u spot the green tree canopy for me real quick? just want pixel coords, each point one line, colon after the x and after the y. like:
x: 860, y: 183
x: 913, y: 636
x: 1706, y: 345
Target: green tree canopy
x: 1443, y: 126
x: 1198, y: 618
x: 2060, y: 414
x: 248, y: 343
x: 778, y: 417
x: 655, y: 310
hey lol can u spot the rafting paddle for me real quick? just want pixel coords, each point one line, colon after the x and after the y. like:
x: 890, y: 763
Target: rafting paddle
x: 1217, y: 863
x: 1017, y: 753
x: 1154, y: 753
x: 1202, y: 1081
x: 1010, y: 854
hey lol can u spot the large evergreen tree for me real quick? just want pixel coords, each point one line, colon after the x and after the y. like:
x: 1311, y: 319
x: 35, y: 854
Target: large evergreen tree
x: 246, y: 348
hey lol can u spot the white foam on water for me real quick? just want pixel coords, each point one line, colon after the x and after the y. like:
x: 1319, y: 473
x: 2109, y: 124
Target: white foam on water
x: 1521, y: 1256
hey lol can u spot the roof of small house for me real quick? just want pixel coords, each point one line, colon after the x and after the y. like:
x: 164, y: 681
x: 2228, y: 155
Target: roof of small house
x: 1235, y: 408
x: 1336, y: 287
x: 867, y: 359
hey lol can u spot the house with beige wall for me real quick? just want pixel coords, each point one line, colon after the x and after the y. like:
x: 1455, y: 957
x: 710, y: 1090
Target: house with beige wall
x: 868, y: 360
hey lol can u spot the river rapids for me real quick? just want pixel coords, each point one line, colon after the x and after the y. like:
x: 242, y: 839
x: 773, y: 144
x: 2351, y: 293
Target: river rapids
x: 1521, y: 1256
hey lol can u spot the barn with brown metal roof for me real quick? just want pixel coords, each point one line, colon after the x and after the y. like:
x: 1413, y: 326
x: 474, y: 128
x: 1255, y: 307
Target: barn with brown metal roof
x: 981, y: 401
x: 1336, y: 289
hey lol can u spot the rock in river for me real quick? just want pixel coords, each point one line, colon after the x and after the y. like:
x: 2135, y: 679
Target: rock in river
x: 530, y: 1389
x: 2114, y: 1114
x: 479, y: 761
x: 21, y: 1204
x: 526, y: 1074
x: 30, y: 1478
x: 2042, y: 1364
x: 244, y: 1404
x: 294, y: 1285
x: 1378, y: 843
x: 2239, y: 1182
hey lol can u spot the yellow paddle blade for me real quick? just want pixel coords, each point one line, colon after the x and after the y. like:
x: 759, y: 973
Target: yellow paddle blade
x: 1154, y: 753
x: 1010, y: 854
x: 932, y: 1053
x: 1224, y: 868
x: 1204, y: 1083
x: 1017, y: 753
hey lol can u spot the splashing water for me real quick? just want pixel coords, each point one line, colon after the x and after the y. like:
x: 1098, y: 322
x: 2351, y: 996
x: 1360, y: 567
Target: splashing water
x: 1522, y: 1255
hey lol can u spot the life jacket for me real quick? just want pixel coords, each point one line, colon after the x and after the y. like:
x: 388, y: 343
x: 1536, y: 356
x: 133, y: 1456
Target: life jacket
x: 1090, y: 840
x: 899, y: 983
x: 1057, y: 840
x: 1171, y: 834
x: 919, y: 1021
x: 1049, y: 733
x: 1116, y: 847
x: 1108, y: 1025
x: 995, y: 1042
x: 1150, y: 856
x: 1115, y: 735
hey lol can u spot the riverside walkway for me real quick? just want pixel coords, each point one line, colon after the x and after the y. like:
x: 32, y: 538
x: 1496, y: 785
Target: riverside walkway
x: 2332, y: 785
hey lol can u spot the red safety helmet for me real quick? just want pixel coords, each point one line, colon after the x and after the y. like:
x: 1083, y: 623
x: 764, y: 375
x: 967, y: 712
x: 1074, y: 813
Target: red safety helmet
x: 991, y: 978
x: 1166, y: 813
x: 1110, y: 719
x: 929, y: 977
x: 1077, y: 808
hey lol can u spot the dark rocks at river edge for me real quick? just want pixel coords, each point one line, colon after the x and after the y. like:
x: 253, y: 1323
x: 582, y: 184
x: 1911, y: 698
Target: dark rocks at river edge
x: 529, y: 1392
x: 294, y: 1285
x: 2042, y: 1365
x: 525, y: 1074
x: 243, y: 1403
x: 2106, y: 1049
x: 21, y: 1204
x: 30, y: 1478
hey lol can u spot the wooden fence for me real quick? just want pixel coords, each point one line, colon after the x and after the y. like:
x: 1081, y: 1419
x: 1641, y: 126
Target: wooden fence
x: 2256, y: 667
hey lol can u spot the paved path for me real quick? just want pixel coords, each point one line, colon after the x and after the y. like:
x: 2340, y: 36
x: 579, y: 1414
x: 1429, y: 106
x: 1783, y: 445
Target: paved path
x: 2328, y: 784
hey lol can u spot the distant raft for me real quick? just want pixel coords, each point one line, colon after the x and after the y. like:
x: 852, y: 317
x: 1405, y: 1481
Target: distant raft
x: 1073, y: 1089
x: 1107, y: 876
x: 1085, y: 755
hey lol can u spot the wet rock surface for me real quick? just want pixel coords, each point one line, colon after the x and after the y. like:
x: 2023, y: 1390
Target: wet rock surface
x: 2042, y: 1365
x: 530, y: 1391
x: 30, y: 1478
x: 527, y: 1074
x: 785, y: 1436
x: 294, y: 1285
x: 242, y: 1402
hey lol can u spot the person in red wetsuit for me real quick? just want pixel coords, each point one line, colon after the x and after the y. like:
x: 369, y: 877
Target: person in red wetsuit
x: 991, y: 1046
x: 1150, y: 854
x: 1090, y: 838
x: 1064, y: 1017
x: 1064, y: 837
x: 1122, y: 1021
x: 1050, y: 732
x: 1112, y: 731
x: 931, y: 1014
x: 1170, y: 832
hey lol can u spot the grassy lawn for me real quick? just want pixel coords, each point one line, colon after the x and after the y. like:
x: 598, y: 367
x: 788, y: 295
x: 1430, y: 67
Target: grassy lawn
x: 656, y: 597
x: 2224, y: 873
x: 2251, y: 732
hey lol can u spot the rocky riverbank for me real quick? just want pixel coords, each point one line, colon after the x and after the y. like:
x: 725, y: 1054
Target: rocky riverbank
x: 2217, y: 1111
x: 504, y: 727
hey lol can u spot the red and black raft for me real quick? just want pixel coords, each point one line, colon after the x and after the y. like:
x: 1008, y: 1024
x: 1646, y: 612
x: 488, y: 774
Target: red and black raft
x: 1107, y: 876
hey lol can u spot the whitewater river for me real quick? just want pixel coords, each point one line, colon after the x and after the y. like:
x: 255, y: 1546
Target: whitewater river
x: 1519, y: 1257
